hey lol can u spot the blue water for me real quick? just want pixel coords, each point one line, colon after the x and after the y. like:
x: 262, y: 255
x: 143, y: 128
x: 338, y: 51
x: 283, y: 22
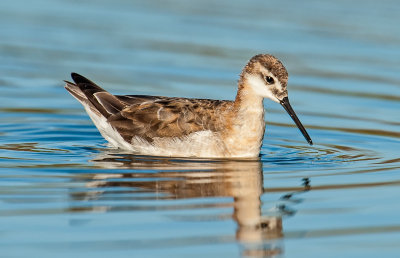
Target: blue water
x: 65, y: 193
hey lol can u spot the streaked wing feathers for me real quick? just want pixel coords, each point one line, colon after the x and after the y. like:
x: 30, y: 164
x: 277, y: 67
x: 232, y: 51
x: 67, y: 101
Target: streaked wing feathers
x: 148, y: 117
x: 167, y: 117
x: 109, y: 102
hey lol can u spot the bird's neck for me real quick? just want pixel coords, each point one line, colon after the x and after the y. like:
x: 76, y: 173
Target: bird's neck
x: 249, y: 109
x: 247, y: 124
x: 247, y: 100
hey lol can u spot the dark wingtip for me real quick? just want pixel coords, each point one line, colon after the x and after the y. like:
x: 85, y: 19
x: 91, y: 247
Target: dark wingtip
x: 80, y: 79
x: 310, y: 142
x: 75, y: 75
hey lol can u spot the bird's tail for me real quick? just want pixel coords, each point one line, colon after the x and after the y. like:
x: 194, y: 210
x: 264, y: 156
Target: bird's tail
x: 93, y: 96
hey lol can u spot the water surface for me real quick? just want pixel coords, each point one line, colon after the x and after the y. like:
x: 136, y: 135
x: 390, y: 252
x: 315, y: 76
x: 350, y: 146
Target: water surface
x: 64, y: 192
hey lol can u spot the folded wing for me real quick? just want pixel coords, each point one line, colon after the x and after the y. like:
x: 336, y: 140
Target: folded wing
x: 148, y: 117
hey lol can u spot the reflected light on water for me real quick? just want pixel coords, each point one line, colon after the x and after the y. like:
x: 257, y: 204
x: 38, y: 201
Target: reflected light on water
x: 242, y: 181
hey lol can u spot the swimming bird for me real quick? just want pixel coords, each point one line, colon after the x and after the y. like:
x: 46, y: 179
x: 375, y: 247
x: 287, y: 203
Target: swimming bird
x: 187, y: 127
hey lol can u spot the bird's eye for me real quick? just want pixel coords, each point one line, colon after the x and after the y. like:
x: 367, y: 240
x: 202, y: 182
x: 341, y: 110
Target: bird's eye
x: 269, y: 80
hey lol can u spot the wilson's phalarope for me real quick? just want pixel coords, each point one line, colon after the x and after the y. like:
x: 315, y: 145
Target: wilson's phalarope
x: 165, y: 126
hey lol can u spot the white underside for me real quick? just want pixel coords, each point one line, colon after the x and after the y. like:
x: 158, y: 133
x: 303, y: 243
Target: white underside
x: 205, y: 144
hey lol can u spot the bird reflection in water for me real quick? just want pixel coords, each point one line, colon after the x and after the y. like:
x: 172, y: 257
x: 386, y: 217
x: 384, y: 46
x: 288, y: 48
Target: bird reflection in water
x: 259, y: 234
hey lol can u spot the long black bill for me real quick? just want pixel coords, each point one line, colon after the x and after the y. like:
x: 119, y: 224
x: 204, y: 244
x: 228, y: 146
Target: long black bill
x: 286, y: 105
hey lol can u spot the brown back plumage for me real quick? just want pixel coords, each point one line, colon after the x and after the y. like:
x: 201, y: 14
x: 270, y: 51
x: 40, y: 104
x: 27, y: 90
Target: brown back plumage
x: 148, y: 117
